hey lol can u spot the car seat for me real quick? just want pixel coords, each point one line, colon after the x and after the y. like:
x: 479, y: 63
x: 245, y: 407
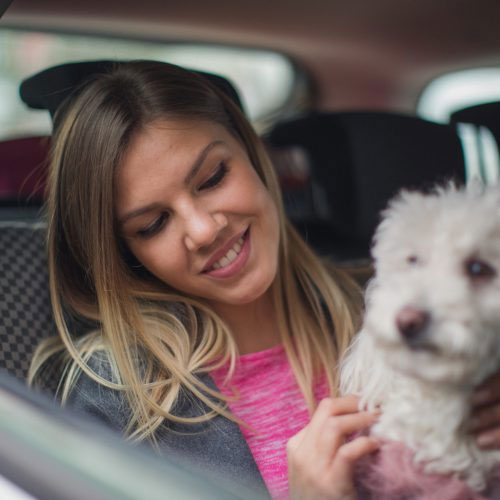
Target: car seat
x: 479, y: 127
x: 357, y: 162
x: 23, y: 163
x: 51, y: 88
x: 487, y: 115
x: 25, y: 313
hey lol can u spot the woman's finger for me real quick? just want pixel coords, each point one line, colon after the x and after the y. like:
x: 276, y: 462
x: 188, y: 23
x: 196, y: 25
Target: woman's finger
x: 337, y: 430
x: 485, y: 417
x: 329, y: 407
x: 332, y: 422
x: 489, y: 440
x: 296, y: 441
x: 342, y: 468
x: 332, y: 481
x: 338, y: 406
x: 488, y: 392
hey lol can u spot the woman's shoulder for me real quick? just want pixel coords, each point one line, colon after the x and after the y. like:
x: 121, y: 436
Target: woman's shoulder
x: 94, y: 392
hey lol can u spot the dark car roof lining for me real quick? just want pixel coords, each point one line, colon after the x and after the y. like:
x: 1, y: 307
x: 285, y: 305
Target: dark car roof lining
x: 362, y: 54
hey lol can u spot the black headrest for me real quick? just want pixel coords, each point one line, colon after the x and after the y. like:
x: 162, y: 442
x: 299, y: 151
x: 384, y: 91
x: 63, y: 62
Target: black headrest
x: 487, y: 114
x: 49, y: 88
x: 359, y: 160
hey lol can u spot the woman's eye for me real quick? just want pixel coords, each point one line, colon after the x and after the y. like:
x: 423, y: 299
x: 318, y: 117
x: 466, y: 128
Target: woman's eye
x: 216, y: 178
x: 154, y: 227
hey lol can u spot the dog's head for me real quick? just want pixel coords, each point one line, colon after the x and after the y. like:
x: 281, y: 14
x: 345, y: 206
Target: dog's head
x: 433, y: 307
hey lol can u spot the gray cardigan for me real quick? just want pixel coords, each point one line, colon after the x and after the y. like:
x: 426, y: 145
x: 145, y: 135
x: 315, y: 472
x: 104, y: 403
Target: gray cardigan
x: 215, y: 448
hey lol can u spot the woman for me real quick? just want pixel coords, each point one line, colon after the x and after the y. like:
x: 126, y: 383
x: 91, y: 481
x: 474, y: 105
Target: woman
x: 218, y: 328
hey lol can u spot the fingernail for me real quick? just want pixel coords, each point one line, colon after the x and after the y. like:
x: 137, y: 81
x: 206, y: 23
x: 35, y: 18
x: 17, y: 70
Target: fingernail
x: 480, y: 397
x: 486, y: 439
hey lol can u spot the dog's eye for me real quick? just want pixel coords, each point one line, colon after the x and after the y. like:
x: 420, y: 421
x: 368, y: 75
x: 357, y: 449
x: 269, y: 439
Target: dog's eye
x: 479, y: 270
x: 412, y: 259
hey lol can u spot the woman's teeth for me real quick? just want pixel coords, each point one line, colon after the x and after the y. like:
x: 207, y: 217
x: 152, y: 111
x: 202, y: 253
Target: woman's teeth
x: 230, y: 255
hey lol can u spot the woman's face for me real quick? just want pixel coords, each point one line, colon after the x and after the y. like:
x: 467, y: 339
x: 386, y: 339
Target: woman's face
x: 194, y: 212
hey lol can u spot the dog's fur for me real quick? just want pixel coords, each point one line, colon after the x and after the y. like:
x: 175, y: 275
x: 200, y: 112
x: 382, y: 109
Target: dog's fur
x: 437, y: 253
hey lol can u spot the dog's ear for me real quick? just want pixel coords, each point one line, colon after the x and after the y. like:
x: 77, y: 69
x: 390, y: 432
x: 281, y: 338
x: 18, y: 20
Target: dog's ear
x: 364, y: 373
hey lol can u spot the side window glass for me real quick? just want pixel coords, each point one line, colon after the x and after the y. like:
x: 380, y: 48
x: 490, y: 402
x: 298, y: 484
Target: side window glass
x: 265, y: 80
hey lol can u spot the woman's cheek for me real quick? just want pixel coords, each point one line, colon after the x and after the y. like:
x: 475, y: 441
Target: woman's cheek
x: 160, y: 259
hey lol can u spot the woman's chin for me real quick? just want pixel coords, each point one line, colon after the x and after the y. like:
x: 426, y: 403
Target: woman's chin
x: 251, y: 294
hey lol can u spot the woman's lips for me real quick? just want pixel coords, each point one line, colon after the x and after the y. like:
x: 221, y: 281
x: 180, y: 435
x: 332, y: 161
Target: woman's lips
x: 233, y: 267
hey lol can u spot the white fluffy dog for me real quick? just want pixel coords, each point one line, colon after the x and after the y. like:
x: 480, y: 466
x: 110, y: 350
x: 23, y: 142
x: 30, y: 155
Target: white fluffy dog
x: 431, y: 334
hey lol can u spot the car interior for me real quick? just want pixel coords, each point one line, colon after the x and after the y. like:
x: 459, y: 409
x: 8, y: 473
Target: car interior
x: 353, y: 122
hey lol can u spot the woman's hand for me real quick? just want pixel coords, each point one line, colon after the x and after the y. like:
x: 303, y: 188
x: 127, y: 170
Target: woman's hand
x: 485, y: 421
x: 320, y: 459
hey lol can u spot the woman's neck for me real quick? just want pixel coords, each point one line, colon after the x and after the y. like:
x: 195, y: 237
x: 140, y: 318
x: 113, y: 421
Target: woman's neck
x: 254, y: 326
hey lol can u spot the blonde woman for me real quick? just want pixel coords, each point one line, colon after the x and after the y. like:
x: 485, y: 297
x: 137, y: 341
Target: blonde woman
x: 219, y: 330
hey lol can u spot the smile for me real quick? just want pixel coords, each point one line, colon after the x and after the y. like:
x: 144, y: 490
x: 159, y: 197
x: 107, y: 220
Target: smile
x: 230, y: 255
x: 233, y: 260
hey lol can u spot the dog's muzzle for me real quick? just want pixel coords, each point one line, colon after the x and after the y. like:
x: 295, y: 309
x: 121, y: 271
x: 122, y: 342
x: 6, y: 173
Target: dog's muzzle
x: 412, y: 323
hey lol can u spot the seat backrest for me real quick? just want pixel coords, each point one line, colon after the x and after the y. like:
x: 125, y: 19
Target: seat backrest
x: 358, y: 161
x: 23, y: 169
x: 25, y: 312
x: 54, y: 87
x: 487, y: 114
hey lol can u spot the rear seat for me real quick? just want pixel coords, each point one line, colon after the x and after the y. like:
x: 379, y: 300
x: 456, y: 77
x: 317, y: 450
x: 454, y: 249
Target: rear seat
x: 348, y: 165
x: 25, y: 313
x: 487, y: 115
x: 479, y: 128
x: 357, y: 161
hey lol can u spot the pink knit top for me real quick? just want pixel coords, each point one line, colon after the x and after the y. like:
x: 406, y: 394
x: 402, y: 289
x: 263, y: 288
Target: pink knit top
x: 271, y: 405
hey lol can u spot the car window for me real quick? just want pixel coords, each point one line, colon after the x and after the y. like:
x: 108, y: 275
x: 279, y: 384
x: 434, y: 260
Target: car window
x: 56, y: 454
x: 11, y: 491
x: 264, y: 79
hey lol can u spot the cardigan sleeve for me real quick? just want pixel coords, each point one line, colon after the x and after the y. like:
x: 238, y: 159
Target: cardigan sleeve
x: 214, y: 449
x: 102, y: 403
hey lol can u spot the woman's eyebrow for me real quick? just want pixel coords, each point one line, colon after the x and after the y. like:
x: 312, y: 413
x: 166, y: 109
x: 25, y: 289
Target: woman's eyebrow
x: 189, y: 177
x: 199, y: 161
x: 137, y: 212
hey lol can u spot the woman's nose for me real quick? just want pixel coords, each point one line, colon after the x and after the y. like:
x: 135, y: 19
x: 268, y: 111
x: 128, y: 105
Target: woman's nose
x: 202, y: 228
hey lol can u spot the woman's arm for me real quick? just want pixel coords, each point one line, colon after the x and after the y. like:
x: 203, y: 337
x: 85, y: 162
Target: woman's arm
x: 89, y: 397
x: 321, y: 458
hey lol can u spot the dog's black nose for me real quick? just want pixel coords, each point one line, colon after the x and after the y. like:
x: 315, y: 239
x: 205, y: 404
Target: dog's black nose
x: 411, y: 322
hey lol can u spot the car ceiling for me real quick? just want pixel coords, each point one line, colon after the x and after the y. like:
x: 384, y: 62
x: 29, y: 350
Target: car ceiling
x: 370, y: 54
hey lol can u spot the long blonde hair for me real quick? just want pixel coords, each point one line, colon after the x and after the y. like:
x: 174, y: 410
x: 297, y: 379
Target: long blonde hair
x: 157, y: 340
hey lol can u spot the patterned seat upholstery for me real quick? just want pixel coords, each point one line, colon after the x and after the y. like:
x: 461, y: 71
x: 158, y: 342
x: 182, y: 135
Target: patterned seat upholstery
x: 25, y: 312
